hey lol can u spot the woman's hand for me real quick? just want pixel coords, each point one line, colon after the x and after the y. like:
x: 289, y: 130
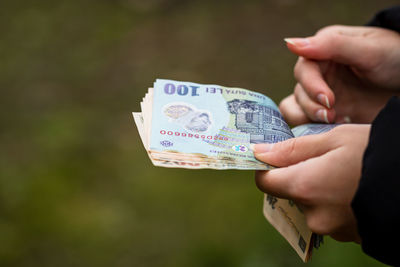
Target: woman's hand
x: 343, y: 73
x: 321, y: 174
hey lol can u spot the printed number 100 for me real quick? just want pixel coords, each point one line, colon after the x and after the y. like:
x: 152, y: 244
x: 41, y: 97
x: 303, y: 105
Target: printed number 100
x: 181, y: 89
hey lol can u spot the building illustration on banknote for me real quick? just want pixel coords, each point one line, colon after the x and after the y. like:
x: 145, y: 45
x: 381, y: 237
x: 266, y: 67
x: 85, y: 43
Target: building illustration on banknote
x: 264, y: 124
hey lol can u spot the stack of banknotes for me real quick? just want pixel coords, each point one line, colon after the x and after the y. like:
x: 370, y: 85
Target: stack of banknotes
x: 190, y: 125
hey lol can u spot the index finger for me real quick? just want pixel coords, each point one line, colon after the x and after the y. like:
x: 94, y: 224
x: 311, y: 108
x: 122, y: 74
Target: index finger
x: 277, y: 182
x: 292, y: 111
x: 309, y: 74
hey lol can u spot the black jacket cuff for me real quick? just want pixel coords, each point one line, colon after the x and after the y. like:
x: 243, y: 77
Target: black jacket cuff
x: 388, y: 18
x: 376, y: 203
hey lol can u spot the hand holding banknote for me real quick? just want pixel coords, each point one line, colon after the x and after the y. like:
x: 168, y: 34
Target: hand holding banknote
x: 321, y: 174
x: 343, y: 73
x: 190, y: 125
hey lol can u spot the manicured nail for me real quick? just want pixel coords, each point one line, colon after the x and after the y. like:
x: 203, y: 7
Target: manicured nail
x: 299, y: 42
x: 261, y: 148
x: 322, y: 115
x: 252, y: 147
x: 323, y: 99
x: 347, y: 119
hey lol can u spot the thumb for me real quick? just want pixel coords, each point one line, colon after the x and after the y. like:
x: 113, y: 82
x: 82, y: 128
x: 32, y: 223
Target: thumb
x: 341, y: 44
x: 292, y: 151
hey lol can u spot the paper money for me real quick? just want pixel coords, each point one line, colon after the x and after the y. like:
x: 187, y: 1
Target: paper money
x: 290, y: 222
x: 312, y: 128
x: 190, y: 125
x: 287, y: 217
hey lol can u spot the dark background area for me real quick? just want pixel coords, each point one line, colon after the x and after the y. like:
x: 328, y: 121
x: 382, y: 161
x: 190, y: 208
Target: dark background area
x: 76, y: 186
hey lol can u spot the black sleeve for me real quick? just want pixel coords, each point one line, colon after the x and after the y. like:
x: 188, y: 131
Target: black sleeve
x: 387, y: 18
x: 376, y: 203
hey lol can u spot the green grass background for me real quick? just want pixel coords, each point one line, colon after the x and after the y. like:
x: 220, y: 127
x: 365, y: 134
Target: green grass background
x: 76, y: 186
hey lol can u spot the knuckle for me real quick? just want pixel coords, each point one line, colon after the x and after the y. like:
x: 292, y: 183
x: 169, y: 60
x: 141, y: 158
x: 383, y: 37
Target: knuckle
x: 335, y: 39
x: 284, y: 110
x: 317, y: 224
x: 297, y: 91
x: 312, y: 108
x: 282, y: 105
x: 290, y: 147
x: 302, y: 191
x: 299, y: 96
x: 313, y: 222
x: 285, y: 103
x: 286, y: 150
x: 259, y: 179
x: 309, y: 107
x: 263, y: 181
x: 298, y: 68
x: 330, y: 29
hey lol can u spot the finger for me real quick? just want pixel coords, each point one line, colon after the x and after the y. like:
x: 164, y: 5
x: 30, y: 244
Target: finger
x: 289, y: 182
x: 309, y: 74
x: 292, y: 112
x: 313, y: 110
x: 338, y: 222
x: 341, y: 44
x: 277, y: 182
x: 293, y: 150
x: 297, y: 181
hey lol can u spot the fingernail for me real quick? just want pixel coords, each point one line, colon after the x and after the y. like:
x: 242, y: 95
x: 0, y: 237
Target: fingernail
x: 323, y: 99
x: 299, y: 42
x: 347, y: 119
x: 322, y: 115
x: 252, y: 147
x: 261, y: 148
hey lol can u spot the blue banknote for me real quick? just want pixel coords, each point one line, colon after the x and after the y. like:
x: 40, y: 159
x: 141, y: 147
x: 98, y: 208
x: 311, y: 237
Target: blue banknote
x: 213, y: 121
x: 312, y: 128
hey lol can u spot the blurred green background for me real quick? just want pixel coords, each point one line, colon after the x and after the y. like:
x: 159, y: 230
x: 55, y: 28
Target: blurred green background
x: 76, y: 186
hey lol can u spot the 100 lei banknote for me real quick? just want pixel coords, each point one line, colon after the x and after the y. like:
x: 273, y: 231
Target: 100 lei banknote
x: 190, y: 125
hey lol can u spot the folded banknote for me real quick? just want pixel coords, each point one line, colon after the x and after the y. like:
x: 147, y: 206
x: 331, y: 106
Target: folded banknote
x: 190, y: 125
